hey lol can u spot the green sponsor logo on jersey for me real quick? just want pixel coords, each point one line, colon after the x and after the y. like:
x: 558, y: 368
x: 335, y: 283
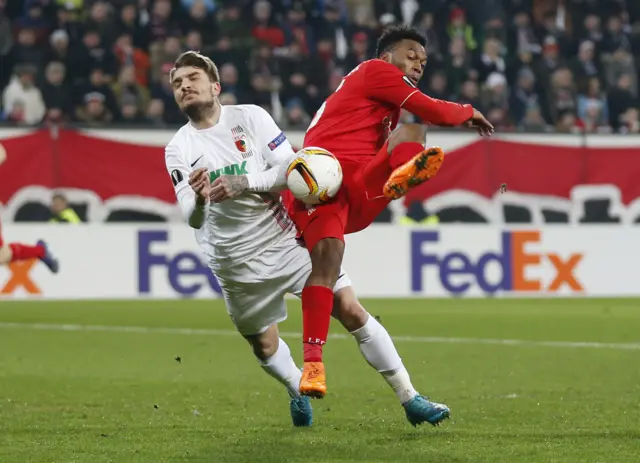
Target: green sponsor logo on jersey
x: 233, y: 169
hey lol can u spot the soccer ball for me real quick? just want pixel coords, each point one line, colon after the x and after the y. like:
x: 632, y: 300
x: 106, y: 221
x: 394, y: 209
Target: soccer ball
x: 314, y: 176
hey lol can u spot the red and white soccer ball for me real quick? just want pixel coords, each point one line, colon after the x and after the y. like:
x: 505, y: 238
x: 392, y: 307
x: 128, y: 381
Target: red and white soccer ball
x: 314, y: 176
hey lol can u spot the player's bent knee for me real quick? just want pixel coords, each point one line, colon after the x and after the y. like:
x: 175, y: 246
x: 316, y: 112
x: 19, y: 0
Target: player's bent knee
x: 326, y: 260
x: 407, y: 133
x: 265, y: 344
x: 348, y: 310
x: 5, y: 255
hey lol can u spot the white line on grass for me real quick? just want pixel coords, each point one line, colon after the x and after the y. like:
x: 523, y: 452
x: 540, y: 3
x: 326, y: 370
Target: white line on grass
x: 415, y: 339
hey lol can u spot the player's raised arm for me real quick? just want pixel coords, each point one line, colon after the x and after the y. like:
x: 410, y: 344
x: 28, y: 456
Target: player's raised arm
x: 388, y: 84
x: 191, y: 187
x: 393, y: 78
x: 276, y: 151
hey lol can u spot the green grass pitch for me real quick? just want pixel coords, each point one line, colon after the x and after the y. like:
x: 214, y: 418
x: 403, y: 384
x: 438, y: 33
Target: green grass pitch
x: 98, y: 394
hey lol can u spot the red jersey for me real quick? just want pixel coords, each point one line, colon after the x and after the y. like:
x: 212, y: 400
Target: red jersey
x: 358, y: 117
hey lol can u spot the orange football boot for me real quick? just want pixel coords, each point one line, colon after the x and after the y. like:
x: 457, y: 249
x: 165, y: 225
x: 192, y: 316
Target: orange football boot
x: 313, y: 382
x: 421, y: 168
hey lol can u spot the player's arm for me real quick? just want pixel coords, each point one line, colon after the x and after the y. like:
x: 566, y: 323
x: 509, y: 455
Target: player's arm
x: 388, y: 84
x: 274, y: 149
x: 191, y: 187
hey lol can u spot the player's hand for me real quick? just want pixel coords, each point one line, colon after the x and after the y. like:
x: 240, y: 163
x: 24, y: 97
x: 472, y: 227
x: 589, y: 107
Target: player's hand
x: 227, y: 187
x: 480, y: 123
x: 200, y: 184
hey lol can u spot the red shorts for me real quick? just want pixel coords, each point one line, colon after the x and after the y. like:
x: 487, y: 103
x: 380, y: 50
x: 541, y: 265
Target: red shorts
x: 358, y: 202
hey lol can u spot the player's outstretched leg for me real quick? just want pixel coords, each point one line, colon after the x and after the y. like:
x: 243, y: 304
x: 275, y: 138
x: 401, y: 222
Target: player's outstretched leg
x: 379, y: 351
x: 14, y: 252
x: 274, y: 357
x: 317, y: 304
x: 412, y: 164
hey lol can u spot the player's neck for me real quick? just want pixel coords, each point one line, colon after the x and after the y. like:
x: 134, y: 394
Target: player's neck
x: 209, y: 118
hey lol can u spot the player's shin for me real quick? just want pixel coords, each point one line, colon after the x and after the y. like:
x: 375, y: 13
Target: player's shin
x: 403, y: 153
x: 379, y: 351
x: 282, y: 367
x: 317, y: 303
x: 25, y: 252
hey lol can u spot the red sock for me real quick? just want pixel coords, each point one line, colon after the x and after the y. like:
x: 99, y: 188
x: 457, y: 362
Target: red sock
x: 26, y: 252
x: 404, y: 152
x: 317, y: 303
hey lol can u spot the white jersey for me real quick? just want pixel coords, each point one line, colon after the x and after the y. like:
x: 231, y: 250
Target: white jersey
x: 246, y: 140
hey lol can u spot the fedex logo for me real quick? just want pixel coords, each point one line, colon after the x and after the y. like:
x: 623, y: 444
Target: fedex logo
x: 20, y: 278
x: 458, y: 272
x: 185, y: 272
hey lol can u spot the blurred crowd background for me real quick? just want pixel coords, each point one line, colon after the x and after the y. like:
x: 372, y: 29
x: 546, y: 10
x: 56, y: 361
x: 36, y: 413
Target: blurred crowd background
x: 529, y: 65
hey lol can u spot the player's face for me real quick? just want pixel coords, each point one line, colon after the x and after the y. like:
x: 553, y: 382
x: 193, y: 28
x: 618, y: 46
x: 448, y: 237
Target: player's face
x: 193, y: 90
x: 411, y: 58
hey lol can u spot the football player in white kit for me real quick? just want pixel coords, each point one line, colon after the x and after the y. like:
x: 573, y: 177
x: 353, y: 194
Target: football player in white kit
x: 227, y: 164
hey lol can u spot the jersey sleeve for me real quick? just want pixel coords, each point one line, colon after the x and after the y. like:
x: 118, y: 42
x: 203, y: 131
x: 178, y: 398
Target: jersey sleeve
x: 179, y: 171
x: 388, y: 84
x: 276, y: 151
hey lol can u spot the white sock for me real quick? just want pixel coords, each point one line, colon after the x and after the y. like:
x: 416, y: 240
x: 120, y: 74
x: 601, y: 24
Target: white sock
x: 378, y: 349
x: 282, y: 367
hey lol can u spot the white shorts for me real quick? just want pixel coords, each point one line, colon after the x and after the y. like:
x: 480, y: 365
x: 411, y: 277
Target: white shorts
x: 254, y: 291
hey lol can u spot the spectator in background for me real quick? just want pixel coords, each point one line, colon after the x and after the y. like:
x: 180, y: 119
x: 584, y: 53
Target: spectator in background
x: 209, y: 5
x: 458, y: 27
x: 295, y: 114
x: 161, y: 24
x: 26, y: 50
x: 438, y: 86
x: 200, y: 20
x: 97, y: 84
x: 533, y: 120
x: 567, y: 123
x: 90, y: 54
x: 496, y: 93
x: 100, y: 20
x: 490, y: 60
x: 562, y: 94
x: 59, y: 48
x: 6, y: 43
x: 231, y: 24
x: 457, y: 65
x: 424, y: 24
x: 297, y: 30
x: 523, y: 97
x: 56, y: 93
x: 163, y: 94
x: 193, y: 41
x: 163, y: 54
x: 630, y: 121
x: 261, y: 90
x: 615, y: 38
x: 61, y: 212
x: 128, y: 91
x: 22, y: 100
x: 93, y: 110
x: 584, y: 66
x: 126, y: 55
x: 593, y: 96
x: 265, y: 28
x: 34, y: 20
x: 129, y: 23
x: 618, y: 64
x: 469, y: 94
x: 523, y: 36
x: 359, y: 51
x: 621, y: 98
x: 229, y: 82
x: 593, y: 30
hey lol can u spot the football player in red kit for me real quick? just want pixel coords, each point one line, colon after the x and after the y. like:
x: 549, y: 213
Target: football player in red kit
x: 356, y: 123
x: 14, y: 252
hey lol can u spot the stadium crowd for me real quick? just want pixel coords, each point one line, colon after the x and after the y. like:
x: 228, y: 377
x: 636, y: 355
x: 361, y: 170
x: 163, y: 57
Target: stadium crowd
x: 537, y: 65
